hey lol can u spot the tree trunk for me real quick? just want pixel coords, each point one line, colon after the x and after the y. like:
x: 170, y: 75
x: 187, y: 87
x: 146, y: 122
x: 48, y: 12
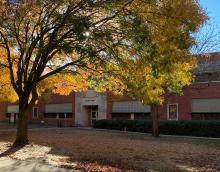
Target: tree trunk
x: 22, y: 125
x: 155, y: 121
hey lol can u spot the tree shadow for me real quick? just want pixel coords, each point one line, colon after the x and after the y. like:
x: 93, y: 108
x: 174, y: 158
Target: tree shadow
x: 29, y: 165
x: 91, y: 150
x: 12, y: 149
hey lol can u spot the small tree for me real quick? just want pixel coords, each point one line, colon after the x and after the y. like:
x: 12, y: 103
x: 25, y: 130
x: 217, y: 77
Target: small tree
x: 66, y: 45
x: 165, y: 65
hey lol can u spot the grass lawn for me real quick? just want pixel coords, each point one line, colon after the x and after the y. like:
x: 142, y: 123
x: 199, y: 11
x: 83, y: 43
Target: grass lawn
x: 90, y: 150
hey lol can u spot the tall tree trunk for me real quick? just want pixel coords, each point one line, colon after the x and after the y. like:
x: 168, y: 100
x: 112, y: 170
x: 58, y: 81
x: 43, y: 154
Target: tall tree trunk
x: 155, y: 121
x: 22, y: 125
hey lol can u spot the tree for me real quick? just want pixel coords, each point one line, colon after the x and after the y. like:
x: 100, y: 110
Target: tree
x: 207, y: 39
x: 165, y: 65
x: 52, y: 45
x: 65, y: 45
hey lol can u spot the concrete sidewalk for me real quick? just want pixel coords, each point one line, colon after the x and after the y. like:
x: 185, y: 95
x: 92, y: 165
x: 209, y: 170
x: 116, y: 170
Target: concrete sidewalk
x: 9, y: 165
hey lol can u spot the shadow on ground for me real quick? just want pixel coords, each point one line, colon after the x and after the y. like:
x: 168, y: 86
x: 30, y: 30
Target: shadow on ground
x: 9, y: 165
x: 114, y: 151
x: 11, y: 150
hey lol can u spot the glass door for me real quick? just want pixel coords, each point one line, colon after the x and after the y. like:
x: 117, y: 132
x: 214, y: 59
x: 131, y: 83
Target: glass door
x: 94, y: 116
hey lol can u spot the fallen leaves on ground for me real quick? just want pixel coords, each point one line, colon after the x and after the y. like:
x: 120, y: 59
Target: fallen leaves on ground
x: 101, y: 151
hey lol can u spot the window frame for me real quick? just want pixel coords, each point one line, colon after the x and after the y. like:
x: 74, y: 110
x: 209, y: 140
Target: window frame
x: 168, y: 110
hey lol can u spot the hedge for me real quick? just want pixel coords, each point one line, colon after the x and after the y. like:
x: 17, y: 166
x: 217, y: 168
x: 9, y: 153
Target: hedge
x: 183, y: 128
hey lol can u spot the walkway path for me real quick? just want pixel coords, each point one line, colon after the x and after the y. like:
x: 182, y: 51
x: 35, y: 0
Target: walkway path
x: 9, y: 165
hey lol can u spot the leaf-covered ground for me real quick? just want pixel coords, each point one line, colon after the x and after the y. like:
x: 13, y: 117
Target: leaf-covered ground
x: 90, y: 150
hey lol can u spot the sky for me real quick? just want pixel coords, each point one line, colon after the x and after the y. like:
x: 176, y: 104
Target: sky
x: 212, y: 7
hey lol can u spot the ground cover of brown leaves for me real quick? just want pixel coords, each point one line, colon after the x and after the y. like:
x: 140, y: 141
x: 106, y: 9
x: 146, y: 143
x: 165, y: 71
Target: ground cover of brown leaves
x: 91, y: 150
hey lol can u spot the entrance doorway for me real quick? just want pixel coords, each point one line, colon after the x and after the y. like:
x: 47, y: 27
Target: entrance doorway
x: 94, y: 114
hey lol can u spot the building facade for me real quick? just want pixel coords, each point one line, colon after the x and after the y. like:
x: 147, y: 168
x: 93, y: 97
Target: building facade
x: 79, y: 109
x: 200, y: 101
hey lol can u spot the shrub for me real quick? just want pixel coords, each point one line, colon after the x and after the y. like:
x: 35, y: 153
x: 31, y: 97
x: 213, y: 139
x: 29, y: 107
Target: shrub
x: 183, y: 128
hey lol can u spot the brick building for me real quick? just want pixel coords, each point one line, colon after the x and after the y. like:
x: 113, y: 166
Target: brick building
x: 200, y: 101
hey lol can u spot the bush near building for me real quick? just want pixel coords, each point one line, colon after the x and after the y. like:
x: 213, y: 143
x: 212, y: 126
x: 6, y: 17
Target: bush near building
x: 182, y: 128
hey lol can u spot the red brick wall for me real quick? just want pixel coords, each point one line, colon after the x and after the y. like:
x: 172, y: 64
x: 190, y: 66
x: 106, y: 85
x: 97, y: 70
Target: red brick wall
x: 195, y: 91
x: 3, y: 110
x: 57, y: 99
x: 198, y: 90
x: 53, y: 99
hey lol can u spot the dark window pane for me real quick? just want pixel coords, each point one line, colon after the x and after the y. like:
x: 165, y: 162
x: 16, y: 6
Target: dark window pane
x: 69, y: 115
x: 94, y: 108
x: 142, y: 116
x: 61, y: 115
x: 121, y: 116
x: 205, y: 116
x: 50, y: 115
x: 172, y: 111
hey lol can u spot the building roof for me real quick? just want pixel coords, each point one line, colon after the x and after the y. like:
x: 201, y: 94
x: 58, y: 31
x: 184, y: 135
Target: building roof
x: 208, y: 63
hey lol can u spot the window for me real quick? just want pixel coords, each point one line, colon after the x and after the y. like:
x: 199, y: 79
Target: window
x: 94, y: 116
x: 205, y: 116
x: 58, y: 115
x: 35, y: 112
x: 69, y: 115
x: 50, y: 115
x: 65, y: 115
x: 172, y: 112
x: 121, y: 116
x: 140, y: 116
x: 94, y: 108
x: 8, y: 115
